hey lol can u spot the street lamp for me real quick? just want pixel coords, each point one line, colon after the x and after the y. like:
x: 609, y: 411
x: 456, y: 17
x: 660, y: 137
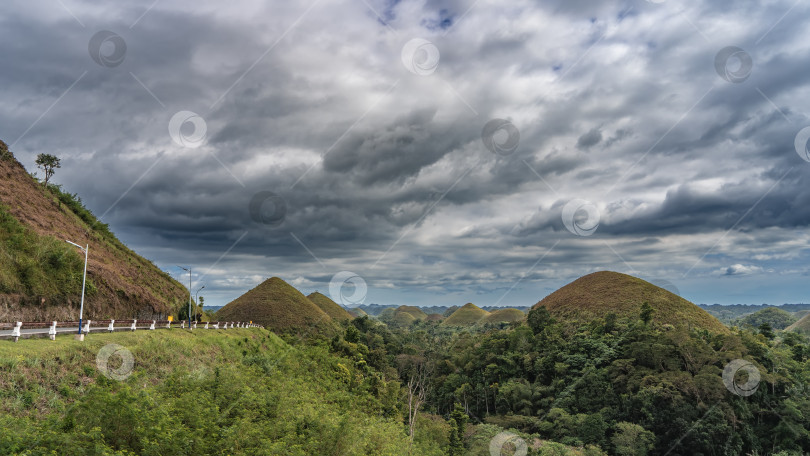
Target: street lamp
x: 189, y: 294
x: 196, y: 302
x: 86, y: 249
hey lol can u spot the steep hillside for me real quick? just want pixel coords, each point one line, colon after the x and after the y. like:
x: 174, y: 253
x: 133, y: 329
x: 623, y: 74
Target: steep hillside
x: 331, y: 308
x: 278, y: 306
x: 802, y: 326
x: 468, y: 314
x: 595, y: 295
x: 777, y: 318
x: 503, y: 316
x: 41, y: 274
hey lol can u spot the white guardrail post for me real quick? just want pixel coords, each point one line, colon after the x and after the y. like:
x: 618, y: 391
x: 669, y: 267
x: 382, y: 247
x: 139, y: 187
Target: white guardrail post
x: 16, y: 331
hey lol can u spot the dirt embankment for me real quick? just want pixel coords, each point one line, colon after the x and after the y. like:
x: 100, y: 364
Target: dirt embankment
x: 125, y: 285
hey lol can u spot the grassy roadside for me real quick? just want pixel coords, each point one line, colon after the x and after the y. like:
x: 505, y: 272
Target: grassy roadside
x: 241, y: 391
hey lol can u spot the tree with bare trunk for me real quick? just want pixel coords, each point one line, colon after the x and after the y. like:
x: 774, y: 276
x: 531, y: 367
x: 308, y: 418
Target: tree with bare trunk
x: 417, y: 370
x: 48, y: 163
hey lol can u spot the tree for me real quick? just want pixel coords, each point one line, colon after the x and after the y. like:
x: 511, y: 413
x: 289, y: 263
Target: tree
x: 646, y: 312
x: 418, y: 371
x: 458, y: 421
x: 538, y: 319
x: 48, y: 163
x: 766, y: 330
x: 632, y: 440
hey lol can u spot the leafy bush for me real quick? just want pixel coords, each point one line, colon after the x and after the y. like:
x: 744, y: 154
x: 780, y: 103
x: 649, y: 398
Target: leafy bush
x: 74, y: 203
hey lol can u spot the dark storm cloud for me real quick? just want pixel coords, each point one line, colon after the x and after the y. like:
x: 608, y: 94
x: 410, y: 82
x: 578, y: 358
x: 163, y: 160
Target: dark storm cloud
x: 383, y: 171
x: 591, y: 138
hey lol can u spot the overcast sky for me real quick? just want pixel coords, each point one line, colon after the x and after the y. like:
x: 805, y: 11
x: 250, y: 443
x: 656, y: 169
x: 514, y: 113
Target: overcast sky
x: 441, y: 152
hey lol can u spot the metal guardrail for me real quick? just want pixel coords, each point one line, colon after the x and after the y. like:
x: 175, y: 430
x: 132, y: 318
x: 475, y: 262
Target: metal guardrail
x: 29, y: 328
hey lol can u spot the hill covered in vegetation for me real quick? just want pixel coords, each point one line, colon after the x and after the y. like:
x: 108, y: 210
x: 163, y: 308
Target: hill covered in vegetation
x: 331, y: 308
x: 41, y: 274
x: 466, y: 315
x: 503, y: 316
x: 602, y: 293
x: 278, y: 306
x: 774, y: 317
x: 802, y: 326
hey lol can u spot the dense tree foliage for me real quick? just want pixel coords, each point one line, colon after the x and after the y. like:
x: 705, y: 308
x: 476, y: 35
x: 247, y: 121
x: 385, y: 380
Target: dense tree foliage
x: 626, y: 385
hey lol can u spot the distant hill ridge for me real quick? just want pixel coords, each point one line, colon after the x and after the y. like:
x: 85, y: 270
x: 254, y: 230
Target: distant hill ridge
x: 41, y: 274
x: 595, y: 295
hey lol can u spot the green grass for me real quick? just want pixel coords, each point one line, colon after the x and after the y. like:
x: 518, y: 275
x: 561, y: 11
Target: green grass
x: 36, y: 265
x: 241, y: 391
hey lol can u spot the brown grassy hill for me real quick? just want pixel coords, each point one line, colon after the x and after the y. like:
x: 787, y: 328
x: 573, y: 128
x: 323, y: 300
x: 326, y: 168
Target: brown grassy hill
x: 802, y: 326
x: 466, y: 315
x: 40, y: 274
x: 435, y: 317
x: 331, y: 308
x: 413, y: 311
x: 503, y: 316
x: 595, y: 295
x: 279, y: 307
x: 356, y: 312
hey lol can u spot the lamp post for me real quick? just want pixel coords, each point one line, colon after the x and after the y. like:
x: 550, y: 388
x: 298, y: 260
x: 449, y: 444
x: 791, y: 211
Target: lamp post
x: 189, y: 294
x: 196, y: 302
x: 79, y: 335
